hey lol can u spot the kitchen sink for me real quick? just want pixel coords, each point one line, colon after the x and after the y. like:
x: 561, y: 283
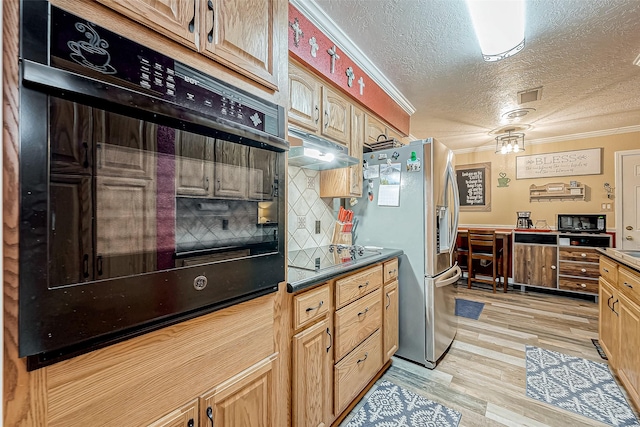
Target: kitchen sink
x: 629, y: 252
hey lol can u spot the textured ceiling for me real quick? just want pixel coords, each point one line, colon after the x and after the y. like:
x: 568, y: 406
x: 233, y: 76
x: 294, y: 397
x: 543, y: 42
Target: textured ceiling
x: 580, y: 51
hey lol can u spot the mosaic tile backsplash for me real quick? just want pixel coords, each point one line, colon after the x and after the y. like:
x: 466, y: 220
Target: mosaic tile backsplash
x: 305, y: 208
x: 205, y: 224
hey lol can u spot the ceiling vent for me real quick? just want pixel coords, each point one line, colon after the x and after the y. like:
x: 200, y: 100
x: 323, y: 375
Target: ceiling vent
x: 530, y: 95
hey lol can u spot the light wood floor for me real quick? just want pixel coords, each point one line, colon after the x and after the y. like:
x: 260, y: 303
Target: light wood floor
x: 483, y: 373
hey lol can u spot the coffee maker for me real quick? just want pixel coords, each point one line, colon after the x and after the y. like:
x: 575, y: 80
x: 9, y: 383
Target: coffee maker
x: 524, y: 220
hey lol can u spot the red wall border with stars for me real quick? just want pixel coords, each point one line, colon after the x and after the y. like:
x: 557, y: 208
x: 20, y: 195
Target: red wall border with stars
x: 374, y: 98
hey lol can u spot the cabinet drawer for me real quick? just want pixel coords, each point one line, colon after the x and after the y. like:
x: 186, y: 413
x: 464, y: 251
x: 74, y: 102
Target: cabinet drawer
x: 580, y: 269
x: 356, y: 321
x: 608, y: 270
x: 390, y: 270
x: 629, y: 283
x: 579, y: 254
x: 353, y: 287
x: 353, y: 372
x: 578, y: 285
x: 310, y: 305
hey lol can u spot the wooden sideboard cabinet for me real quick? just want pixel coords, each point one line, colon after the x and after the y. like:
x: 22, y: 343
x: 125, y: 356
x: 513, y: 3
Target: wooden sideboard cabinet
x: 619, y: 322
x: 562, y: 261
x: 343, y: 333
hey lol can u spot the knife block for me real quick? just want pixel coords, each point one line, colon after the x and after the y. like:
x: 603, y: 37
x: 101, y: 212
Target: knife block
x: 341, y: 237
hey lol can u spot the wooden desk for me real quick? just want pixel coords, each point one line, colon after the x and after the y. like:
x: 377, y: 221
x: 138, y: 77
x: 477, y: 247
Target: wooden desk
x: 501, y: 233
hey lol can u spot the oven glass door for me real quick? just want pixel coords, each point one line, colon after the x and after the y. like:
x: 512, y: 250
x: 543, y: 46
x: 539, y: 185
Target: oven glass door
x: 127, y: 197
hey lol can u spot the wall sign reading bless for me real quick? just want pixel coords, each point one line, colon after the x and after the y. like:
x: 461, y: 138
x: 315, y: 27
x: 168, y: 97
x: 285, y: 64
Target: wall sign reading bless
x: 563, y: 163
x: 474, y: 186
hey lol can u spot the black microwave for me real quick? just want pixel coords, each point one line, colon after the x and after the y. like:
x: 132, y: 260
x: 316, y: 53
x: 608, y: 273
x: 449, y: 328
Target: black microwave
x: 142, y: 181
x: 582, y: 223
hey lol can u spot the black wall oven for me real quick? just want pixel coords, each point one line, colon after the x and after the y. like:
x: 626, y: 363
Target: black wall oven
x: 142, y: 184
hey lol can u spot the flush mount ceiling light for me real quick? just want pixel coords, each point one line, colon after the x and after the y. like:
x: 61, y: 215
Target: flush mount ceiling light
x: 499, y: 26
x: 511, y: 142
x: 516, y: 114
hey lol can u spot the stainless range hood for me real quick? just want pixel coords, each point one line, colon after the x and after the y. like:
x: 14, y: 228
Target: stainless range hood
x: 313, y: 152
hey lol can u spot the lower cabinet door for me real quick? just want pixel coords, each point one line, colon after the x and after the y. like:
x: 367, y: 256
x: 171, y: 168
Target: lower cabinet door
x: 186, y: 416
x: 312, y: 371
x: 245, y: 400
x: 390, y: 327
x: 356, y: 369
x: 629, y: 357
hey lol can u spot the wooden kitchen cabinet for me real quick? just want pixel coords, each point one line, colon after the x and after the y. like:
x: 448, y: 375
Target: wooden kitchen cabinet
x: 373, y: 129
x: 71, y: 151
x: 391, y: 333
x: 240, y: 34
x: 347, y: 182
x: 304, y: 98
x: 175, y: 19
x: 619, y: 322
x: 608, y: 322
x: 245, y: 400
x: 535, y: 265
x: 185, y: 416
x: 262, y: 173
x: 336, y: 116
x: 312, y: 369
x: 230, y: 170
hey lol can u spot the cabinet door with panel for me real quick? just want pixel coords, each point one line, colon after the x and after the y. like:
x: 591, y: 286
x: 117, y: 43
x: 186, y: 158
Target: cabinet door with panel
x: 245, y: 400
x: 304, y: 98
x: 176, y: 19
x: 71, y: 255
x: 390, y: 321
x: 194, y: 165
x: 185, y: 416
x: 262, y: 167
x: 628, y: 361
x: 241, y: 34
x: 71, y: 137
x: 535, y: 265
x: 336, y: 116
x: 312, y: 371
x: 373, y: 129
x: 230, y: 170
x: 608, y: 322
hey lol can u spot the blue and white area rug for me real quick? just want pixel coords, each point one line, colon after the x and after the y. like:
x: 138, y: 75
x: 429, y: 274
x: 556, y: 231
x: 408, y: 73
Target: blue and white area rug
x: 469, y: 309
x: 578, y: 385
x: 390, y: 405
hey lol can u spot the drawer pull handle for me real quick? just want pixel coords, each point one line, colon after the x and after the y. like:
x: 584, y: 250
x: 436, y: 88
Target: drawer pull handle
x: 613, y: 307
x: 389, y: 303
x: 363, y: 286
x: 584, y: 270
x: 628, y: 285
x: 609, y: 302
x: 316, y: 307
x: 190, y: 423
x: 582, y: 285
x: 362, y: 313
x: 392, y: 271
x: 583, y: 255
x: 363, y: 359
x: 330, y: 340
x: 605, y: 270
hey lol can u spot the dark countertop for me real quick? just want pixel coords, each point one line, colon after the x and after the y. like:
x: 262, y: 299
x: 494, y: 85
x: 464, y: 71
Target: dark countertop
x: 299, y: 279
x: 624, y: 259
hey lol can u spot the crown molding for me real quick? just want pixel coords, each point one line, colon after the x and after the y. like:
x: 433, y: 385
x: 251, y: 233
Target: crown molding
x: 583, y: 135
x: 319, y: 18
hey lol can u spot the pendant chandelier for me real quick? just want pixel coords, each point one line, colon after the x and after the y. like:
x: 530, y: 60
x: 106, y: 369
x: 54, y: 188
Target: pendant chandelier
x: 511, y: 142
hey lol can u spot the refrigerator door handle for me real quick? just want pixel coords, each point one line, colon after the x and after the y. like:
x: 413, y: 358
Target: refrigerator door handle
x: 456, y: 201
x: 446, y: 282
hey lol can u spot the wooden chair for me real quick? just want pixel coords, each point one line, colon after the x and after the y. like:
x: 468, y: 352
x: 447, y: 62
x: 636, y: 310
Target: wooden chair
x: 483, y: 246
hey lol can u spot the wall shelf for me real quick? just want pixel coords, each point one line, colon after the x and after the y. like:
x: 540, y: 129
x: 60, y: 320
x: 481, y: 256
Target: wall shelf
x: 557, y: 191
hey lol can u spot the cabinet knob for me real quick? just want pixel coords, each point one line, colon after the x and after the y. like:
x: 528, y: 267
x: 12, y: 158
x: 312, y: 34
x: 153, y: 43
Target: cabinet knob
x: 584, y: 270
x: 583, y: 255
x: 553, y: 267
x: 582, y: 285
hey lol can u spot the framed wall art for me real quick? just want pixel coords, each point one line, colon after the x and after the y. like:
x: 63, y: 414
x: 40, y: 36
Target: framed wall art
x: 474, y: 186
x: 563, y: 163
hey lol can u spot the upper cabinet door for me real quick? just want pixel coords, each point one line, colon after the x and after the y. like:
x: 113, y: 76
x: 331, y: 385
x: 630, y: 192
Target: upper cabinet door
x: 373, y: 129
x: 304, y: 99
x: 241, y: 35
x: 194, y: 164
x: 176, y: 19
x: 336, y: 116
x: 230, y: 170
x: 71, y: 139
x: 355, y: 150
x: 262, y: 170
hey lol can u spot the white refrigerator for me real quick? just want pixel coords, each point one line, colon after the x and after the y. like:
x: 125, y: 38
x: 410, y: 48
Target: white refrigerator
x: 420, y: 216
